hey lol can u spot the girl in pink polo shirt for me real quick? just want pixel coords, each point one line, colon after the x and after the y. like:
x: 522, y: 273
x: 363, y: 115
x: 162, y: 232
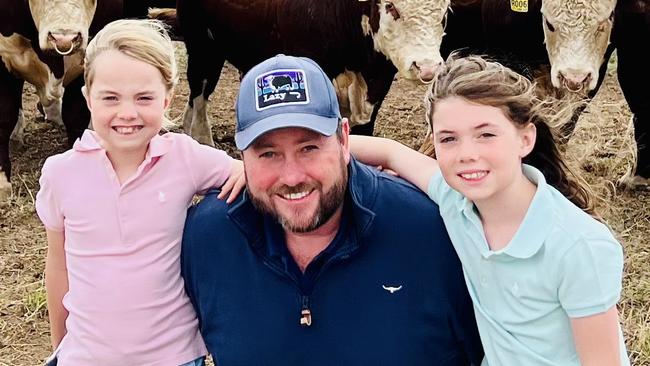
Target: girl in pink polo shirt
x: 114, y: 207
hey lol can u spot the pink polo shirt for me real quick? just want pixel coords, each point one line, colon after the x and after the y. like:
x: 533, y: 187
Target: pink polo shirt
x: 126, y: 298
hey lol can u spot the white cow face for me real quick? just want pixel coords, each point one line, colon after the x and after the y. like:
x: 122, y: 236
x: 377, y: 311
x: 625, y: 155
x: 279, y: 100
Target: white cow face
x: 409, y: 34
x: 576, y: 34
x: 62, y: 24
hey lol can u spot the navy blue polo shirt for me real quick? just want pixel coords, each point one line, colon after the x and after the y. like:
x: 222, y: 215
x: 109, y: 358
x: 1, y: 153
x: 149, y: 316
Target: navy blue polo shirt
x: 389, y: 290
x: 278, y: 250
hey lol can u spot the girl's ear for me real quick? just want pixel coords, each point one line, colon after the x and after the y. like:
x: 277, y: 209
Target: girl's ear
x: 168, y: 98
x: 84, y: 91
x: 528, y: 135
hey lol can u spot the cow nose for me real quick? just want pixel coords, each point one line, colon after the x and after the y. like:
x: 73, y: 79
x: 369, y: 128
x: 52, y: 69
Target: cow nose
x: 64, y: 41
x: 575, y: 80
x: 426, y: 70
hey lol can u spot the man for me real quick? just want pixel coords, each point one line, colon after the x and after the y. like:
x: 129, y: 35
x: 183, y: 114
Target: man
x: 322, y: 261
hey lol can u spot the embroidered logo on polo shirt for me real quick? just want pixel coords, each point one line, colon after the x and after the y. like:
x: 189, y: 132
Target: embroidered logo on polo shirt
x: 515, y: 289
x: 161, y: 196
x: 391, y: 289
x: 281, y: 87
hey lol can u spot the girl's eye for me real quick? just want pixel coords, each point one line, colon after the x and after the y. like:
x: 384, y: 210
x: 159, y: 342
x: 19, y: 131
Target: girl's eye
x: 447, y: 139
x: 109, y: 98
x: 146, y: 98
x: 487, y: 135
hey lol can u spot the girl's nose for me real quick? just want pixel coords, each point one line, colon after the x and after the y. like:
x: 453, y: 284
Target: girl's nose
x: 467, y: 152
x: 127, y: 112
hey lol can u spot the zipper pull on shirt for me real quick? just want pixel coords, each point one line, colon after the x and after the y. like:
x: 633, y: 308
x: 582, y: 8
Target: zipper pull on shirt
x: 305, y: 313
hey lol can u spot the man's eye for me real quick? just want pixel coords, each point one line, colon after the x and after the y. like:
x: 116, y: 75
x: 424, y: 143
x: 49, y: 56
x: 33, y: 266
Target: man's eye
x: 267, y: 155
x: 309, y: 148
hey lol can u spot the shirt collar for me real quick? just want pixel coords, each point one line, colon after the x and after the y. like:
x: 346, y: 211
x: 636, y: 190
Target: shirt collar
x: 90, y: 141
x: 534, y: 229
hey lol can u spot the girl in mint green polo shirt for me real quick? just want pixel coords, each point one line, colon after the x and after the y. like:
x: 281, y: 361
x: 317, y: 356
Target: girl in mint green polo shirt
x: 544, y: 274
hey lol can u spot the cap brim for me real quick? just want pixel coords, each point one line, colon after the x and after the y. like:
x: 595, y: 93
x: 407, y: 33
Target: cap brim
x: 323, y: 125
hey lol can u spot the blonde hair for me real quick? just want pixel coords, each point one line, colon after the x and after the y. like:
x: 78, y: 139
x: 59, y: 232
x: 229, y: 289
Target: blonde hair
x: 143, y: 40
x: 492, y: 84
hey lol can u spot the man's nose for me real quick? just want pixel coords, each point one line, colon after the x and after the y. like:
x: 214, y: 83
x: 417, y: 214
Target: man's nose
x: 292, y: 172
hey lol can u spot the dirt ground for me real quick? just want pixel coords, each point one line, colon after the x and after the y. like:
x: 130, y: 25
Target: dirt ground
x: 602, y: 148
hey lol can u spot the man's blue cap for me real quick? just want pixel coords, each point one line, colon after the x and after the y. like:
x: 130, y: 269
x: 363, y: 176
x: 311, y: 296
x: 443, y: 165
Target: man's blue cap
x: 285, y: 91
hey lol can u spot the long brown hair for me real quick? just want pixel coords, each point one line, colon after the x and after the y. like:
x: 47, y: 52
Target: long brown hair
x: 489, y: 83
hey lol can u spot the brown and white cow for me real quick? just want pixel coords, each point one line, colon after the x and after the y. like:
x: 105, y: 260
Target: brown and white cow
x: 359, y: 44
x: 577, y: 34
x: 572, y: 36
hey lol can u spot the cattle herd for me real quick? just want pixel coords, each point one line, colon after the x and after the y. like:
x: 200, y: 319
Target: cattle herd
x: 361, y: 44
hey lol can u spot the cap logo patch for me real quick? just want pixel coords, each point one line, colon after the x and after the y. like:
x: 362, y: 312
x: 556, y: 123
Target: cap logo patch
x: 281, y: 87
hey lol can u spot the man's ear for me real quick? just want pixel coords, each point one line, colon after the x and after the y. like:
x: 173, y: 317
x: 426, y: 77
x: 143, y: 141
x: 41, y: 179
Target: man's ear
x: 345, y: 139
x: 528, y: 136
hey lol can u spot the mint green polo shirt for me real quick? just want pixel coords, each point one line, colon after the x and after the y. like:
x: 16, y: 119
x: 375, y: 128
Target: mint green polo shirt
x: 560, y: 264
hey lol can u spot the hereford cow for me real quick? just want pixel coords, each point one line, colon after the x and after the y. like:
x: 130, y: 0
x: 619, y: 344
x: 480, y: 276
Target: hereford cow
x: 571, y: 38
x: 361, y: 45
x: 42, y: 42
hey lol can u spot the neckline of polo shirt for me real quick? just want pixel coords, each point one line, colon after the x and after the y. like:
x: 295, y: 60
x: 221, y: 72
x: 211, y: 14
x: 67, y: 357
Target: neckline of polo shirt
x: 159, y: 145
x: 89, y: 141
x: 532, y: 232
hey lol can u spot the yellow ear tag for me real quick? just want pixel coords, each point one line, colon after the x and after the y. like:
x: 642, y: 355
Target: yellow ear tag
x: 520, y: 6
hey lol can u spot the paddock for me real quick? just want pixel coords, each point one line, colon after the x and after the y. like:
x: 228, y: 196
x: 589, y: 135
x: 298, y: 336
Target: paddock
x: 602, y: 148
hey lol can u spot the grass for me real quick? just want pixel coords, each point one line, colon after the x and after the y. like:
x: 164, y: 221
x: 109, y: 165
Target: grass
x: 601, y: 148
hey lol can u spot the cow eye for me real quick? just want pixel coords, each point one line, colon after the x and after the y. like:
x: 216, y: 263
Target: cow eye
x: 611, y: 17
x: 549, y: 25
x: 392, y: 10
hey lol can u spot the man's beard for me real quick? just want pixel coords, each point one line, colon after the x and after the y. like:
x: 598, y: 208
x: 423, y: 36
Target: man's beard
x: 328, y: 204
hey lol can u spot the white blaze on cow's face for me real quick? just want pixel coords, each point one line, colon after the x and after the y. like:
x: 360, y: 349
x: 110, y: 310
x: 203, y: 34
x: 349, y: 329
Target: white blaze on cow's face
x: 576, y: 34
x: 410, y: 33
x: 62, y: 24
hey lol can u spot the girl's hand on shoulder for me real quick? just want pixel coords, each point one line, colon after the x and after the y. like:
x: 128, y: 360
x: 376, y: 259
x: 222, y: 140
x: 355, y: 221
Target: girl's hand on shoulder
x: 235, y: 182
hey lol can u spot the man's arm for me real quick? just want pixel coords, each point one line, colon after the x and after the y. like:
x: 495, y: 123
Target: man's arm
x: 56, y: 284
